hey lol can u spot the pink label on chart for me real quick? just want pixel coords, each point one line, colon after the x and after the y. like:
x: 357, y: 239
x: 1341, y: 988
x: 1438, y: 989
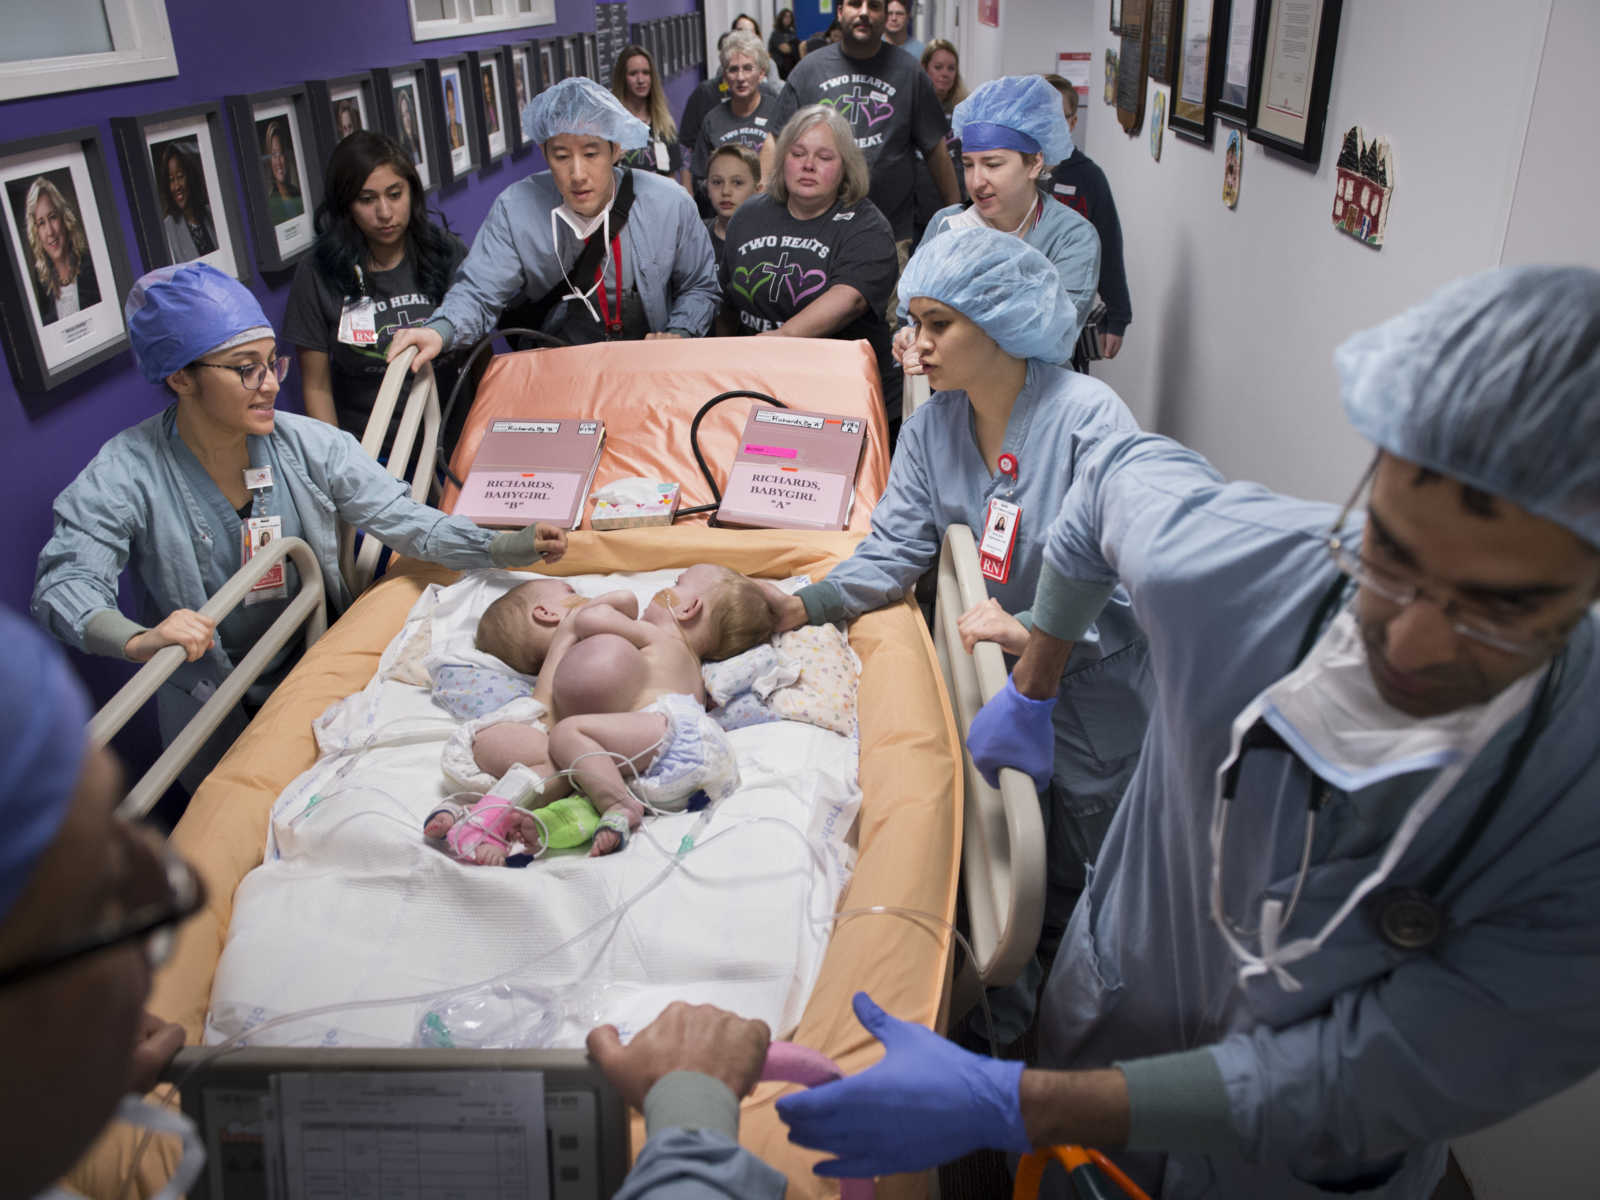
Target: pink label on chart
x: 525, y: 495
x: 813, y: 497
x: 770, y: 451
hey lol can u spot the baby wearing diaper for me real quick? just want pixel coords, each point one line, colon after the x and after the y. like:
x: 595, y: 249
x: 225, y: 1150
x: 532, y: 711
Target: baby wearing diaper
x: 630, y: 688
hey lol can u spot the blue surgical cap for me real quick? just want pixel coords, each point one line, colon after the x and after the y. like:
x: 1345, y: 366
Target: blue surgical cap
x: 1014, y: 112
x: 582, y: 107
x: 1001, y: 284
x: 1493, y: 381
x: 178, y: 314
x: 44, y: 716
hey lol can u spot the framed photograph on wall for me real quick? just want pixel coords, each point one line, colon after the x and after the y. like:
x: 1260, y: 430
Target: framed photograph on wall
x: 549, y: 63
x: 591, y: 58
x: 1198, y: 72
x: 697, y: 27
x: 1235, y: 99
x: 1116, y: 16
x: 448, y: 81
x: 65, y: 270
x: 281, y: 171
x: 1162, y: 18
x: 180, y: 183
x: 1292, y: 74
x: 408, y: 118
x: 340, y: 107
x: 486, y: 72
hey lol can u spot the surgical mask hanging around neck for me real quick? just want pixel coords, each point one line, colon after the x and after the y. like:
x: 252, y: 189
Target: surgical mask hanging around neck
x: 583, y: 227
x: 1330, y: 714
x: 136, y: 1110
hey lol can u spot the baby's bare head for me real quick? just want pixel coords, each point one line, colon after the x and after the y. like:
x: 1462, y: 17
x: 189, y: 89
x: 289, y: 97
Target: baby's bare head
x: 518, y: 627
x: 737, y: 615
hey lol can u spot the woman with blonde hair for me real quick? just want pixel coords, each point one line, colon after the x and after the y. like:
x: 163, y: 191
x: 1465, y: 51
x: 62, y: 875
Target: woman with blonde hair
x: 943, y: 67
x: 636, y: 82
x: 63, y: 272
x: 813, y: 257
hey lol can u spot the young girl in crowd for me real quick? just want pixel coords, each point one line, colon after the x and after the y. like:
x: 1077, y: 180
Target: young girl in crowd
x: 635, y: 82
x: 379, y: 265
x: 732, y: 178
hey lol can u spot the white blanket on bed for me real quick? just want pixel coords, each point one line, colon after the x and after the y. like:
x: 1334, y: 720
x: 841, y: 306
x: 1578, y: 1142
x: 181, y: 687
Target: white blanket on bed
x: 353, y: 904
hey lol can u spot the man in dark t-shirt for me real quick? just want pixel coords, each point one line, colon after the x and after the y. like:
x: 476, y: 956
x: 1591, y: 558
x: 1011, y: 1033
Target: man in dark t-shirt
x: 889, y: 102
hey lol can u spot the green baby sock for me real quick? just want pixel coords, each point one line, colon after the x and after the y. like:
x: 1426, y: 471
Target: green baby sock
x: 568, y: 822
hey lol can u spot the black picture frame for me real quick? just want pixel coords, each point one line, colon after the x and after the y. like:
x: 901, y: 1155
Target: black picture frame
x: 1164, y: 20
x: 697, y: 29
x: 1190, y: 122
x: 571, y: 56
x: 1304, y: 144
x: 142, y: 149
x: 280, y: 222
x: 522, y: 67
x: 45, y: 347
x: 491, y: 110
x: 458, y: 147
x: 333, y: 100
x: 549, y: 56
x: 591, y: 58
x: 1115, y: 14
x: 421, y: 139
x: 1237, y: 100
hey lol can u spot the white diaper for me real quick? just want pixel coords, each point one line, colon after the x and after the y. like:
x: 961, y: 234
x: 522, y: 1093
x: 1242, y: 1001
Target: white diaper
x: 695, y: 756
x: 460, y: 768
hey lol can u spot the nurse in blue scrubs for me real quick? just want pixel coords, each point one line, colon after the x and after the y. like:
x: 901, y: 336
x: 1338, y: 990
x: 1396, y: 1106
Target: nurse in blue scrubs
x: 184, y: 496
x: 996, y: 449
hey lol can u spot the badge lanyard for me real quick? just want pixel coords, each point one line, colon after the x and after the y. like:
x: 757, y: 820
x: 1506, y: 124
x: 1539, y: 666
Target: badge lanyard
x: 256, y: 532
x: 613, y: 324
x: 999, y: 540
x: 358, y: 320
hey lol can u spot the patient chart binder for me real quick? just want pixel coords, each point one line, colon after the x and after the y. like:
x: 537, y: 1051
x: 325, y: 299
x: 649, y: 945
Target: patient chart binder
x: 529, y: 471
x: 794, y: 470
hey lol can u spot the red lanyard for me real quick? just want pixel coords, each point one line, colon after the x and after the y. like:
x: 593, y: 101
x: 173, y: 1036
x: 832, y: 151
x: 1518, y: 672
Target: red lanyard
x: 613, y: 324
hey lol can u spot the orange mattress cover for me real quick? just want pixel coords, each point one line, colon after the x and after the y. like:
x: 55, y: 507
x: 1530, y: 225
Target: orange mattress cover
x: 908, y: 836
x: 647, y: 393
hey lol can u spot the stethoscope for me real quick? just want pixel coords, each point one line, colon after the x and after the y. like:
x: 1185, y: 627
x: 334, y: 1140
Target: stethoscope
x: 1407, y: 917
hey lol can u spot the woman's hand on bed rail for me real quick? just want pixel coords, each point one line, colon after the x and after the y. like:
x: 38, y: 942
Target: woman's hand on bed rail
x: 533, y: 543
x: 788, y: 612
x: 685, y: 1037
x: 195, y: 632
x: 988, y: 622
x: 158, y: 1041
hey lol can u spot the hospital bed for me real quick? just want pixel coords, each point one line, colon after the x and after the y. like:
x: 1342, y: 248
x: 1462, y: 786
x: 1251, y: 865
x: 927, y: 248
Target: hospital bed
x: 911, y: 780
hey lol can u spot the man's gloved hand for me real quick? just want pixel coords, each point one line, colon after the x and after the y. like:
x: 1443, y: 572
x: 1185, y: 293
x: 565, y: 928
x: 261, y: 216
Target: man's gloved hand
x: 530, y: 544
x: 1013, y: 731
x: 928, y: 1101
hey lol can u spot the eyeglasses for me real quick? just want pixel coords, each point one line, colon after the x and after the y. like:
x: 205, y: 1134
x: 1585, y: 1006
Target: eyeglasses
x: 160, y: 893
x: 1403, y: 588
x: 253, y: 375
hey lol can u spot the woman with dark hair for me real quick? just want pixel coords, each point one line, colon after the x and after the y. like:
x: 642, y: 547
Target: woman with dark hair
x: 784, y: 44
x: 284, y: 202
x: 410, y: 136
x: 636, y: 82
x: 185, y: 207
x: 379, y: 265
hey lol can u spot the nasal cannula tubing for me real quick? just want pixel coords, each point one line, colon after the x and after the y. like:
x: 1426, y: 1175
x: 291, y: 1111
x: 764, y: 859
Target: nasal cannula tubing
x: 674, y: 861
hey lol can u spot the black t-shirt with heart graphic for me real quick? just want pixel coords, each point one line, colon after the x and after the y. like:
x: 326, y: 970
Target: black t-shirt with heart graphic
x: 773, y: 265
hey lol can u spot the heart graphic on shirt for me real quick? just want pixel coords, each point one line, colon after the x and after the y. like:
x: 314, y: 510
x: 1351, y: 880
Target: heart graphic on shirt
x: 788, y: 278
x: 860, y: 105
x: 740, y: 282
x: 806, y: 286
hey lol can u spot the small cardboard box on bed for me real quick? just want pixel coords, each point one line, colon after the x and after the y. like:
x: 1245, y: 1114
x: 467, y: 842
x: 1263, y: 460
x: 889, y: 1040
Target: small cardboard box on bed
x: 909, y: 831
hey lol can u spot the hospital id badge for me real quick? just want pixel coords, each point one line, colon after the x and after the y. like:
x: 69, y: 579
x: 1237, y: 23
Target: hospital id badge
x: 663, y: 158
x: 358, y: 323
x: 257, y: 533
x: 999, y: 539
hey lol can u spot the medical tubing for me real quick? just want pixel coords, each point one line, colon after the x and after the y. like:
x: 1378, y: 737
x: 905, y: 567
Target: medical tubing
x: 694, y: 442
x: 466, y: 371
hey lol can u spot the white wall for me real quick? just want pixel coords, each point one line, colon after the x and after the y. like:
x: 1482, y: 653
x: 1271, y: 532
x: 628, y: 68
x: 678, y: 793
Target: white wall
x: 1237, y: 313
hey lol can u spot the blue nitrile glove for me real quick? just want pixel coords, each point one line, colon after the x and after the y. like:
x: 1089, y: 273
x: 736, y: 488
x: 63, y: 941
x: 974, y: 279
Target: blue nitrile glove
x: 928, y: 1101
x: 1013, y: 731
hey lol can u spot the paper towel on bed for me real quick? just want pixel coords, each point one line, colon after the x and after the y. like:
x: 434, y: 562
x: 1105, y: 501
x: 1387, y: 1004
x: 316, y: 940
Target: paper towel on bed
x: 353, y: 904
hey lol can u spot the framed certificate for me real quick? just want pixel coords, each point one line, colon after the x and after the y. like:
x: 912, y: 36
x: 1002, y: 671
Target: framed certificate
x: 1293, y: 69
x: 1234, y: 99
x: 1198, y: 72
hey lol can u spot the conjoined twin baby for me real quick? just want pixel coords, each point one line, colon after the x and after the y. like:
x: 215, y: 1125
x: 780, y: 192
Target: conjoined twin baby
x: 619, y: 704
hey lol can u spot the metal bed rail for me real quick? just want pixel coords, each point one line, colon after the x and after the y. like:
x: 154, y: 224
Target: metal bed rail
x: 1003, y: 844
x: 421, y: 411
x: 308, y: 607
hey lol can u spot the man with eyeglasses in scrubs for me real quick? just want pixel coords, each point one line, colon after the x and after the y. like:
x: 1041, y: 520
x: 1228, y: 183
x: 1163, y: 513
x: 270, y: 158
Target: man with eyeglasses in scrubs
x: 89, y: 907
x: 1390, y: 934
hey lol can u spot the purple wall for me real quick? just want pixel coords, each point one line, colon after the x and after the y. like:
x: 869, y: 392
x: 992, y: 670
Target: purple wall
x: 222, y: 48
